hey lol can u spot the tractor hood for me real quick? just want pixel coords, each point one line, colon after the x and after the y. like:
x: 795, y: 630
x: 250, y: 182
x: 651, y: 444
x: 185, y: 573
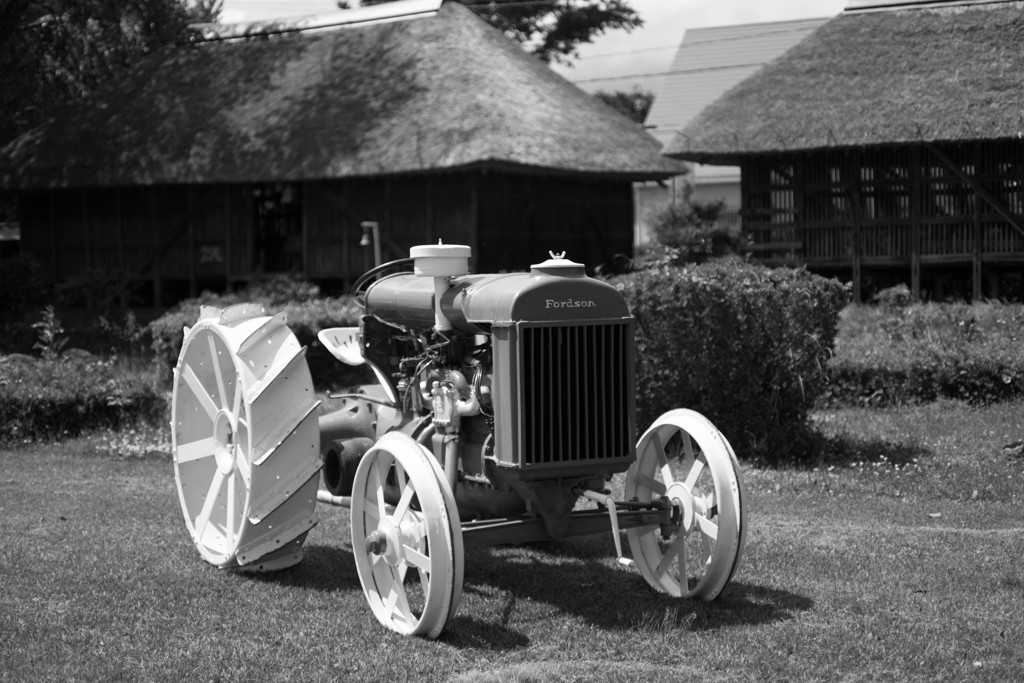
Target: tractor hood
x: 556, y: 290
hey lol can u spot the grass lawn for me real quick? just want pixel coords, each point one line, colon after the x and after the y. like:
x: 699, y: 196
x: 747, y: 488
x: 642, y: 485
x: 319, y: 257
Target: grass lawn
x: 898, y: 557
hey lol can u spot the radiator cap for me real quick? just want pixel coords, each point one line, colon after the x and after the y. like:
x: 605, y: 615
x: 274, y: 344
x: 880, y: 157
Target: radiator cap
x: 558, y: 266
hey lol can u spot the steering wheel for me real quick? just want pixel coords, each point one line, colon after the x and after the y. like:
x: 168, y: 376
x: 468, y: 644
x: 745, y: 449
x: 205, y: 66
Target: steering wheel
x: 373, y: 274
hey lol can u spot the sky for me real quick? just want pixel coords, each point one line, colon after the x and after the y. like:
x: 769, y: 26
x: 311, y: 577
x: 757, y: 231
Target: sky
x: 617, y: 60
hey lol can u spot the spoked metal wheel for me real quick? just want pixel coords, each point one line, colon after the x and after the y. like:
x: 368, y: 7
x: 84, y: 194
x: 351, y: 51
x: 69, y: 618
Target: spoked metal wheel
x: 246, y: 439
x: 685, y: 462
x: 406, y: 537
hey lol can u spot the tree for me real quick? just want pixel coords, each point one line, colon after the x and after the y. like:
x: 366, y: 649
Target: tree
x: 689, y: 231
x: 55, y: 51
x: 553, y: 29
x: 634, y: 104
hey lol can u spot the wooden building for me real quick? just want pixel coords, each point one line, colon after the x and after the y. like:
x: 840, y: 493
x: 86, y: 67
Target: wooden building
x: 213, y: 164
x: 886, y: 147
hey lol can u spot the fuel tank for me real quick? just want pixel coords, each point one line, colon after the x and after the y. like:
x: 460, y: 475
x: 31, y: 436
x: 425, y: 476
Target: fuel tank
x: 556, y: 290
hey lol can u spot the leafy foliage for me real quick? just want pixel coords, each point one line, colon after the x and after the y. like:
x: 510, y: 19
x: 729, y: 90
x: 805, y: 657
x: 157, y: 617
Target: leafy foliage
x: 282, y: 289
x: 49, y: 399
x: 634, y: 105
x: 554, y: 30
x: 688, y: 231
x: 56, y: 51
x: 50, y: 333
x: 97, y: 288
x: 126, y: 337
x: 744, y: 344
x: 896, y: 353
x: 306, y: 312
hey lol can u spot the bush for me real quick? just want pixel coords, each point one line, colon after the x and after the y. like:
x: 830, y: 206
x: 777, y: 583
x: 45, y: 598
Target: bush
x: 97, y: 288
x: 743, y: 344
x: 898, y: 296
x: 50, y: 335
x: 281, y: 290
x: 167, y: 331
x: 305, y: 316
x: 889, y: 355
x: 687, y: 231
x: 66, y: 397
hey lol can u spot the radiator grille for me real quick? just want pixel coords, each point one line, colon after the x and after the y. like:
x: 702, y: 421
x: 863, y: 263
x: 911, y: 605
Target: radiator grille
x: 576, y: 393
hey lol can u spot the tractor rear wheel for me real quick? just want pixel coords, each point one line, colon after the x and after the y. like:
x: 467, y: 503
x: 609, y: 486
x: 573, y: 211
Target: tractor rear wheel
x: 406, y: 537
x: 245, y: 438
x: 684, y: 461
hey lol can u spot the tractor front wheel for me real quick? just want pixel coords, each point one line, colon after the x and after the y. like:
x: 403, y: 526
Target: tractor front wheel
x: 685, y: 462
x: 406, y: 537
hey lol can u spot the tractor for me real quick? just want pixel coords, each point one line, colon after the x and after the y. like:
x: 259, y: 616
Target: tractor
x: 503, y: 406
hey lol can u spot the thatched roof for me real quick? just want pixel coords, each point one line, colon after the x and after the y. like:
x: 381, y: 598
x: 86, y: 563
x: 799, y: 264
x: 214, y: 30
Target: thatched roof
x: 442, y: 93
x: 875, y: 78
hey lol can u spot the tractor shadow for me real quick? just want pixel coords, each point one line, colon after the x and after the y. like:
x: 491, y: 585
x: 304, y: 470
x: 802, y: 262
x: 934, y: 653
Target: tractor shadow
x: 574, y: 576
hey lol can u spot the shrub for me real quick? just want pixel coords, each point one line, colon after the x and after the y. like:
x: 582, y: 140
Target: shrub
x: 744, y: 344
x: 687, y: 231
x: 50, y: 335
x: 97, y: 288
x: 167, y: 331
x: 889, y: 355
x: 305, y: 318
x: 61, y: 398
x: 281, y: 290
x: 126, y: 337
x: 897, y: 296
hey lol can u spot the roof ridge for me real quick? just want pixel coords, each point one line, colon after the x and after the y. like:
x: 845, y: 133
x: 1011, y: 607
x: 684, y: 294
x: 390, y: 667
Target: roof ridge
x: 396, y: 10
x: 863, y: 6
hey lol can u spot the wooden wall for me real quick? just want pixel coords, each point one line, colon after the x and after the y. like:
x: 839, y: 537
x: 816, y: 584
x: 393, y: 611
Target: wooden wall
x: 408, y: 211
x: 524, y: 217
x: 908, y: 209
x: 175, y: 241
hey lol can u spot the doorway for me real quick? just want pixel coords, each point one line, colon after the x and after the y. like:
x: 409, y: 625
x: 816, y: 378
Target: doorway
x: 277, y: 244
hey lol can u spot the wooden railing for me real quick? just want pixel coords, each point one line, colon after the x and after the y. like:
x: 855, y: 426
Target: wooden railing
x: 936, y: 240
